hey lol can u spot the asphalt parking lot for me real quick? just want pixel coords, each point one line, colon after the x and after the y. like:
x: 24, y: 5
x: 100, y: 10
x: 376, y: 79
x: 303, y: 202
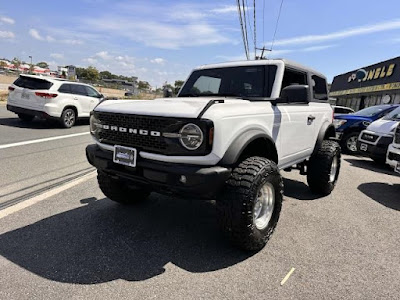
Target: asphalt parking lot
x: 61, y: 238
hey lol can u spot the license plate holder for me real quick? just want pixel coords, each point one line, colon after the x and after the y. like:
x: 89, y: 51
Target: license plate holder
x: 363, y: 147
x: 125, y: 156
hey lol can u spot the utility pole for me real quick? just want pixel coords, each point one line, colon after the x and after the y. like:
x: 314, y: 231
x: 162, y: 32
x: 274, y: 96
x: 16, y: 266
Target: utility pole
x: 31, y: 70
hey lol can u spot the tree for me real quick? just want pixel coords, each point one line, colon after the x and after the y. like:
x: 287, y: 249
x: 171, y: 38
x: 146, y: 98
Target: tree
x: 16, y: 62
x: 92, y: 73
x: 106, y: 75
x: 43, y: 65
x: 3, y: 64
x: 143, y: 85
x: 178, y: 85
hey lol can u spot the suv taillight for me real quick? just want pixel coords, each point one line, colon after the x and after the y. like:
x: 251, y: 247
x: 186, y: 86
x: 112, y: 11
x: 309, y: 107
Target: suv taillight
x: 46, y: 95
x: 10, y: 88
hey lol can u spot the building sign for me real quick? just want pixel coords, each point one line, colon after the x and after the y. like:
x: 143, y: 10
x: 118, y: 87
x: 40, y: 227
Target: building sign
x: 368, y: 89
x: 379, y: 77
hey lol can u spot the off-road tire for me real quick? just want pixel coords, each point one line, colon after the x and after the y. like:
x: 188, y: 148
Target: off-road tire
x: 320, y: 166
x: 235, y: 206
x: 67, y: 112
x: 25, y: 117
x: 345, y: 139
x: 118, y: 191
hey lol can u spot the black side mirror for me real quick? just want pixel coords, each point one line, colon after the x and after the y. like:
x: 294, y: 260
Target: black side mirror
x: 101, y: 96
x: 295, y: 93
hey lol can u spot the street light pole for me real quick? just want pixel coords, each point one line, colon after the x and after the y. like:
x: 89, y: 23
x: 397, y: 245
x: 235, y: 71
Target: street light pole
x: 31, y: 70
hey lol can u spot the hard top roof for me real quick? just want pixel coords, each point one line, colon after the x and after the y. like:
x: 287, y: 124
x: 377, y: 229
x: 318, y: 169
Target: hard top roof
x: 288, y: 63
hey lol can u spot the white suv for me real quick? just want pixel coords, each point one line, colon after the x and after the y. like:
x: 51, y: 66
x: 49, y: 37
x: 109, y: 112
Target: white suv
x: 51, y: 98
x: 226, y: 136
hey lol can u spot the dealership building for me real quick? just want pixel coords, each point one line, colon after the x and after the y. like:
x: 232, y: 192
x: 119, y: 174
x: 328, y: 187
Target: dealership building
x: 368, y: 86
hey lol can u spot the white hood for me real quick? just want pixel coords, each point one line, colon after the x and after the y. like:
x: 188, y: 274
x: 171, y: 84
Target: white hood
x: 164, y: 107
x: 184, y: 107
x: 382, y: 126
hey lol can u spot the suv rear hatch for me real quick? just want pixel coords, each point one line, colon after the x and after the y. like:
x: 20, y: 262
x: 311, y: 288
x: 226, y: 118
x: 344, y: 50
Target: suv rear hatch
x: 28, y: 92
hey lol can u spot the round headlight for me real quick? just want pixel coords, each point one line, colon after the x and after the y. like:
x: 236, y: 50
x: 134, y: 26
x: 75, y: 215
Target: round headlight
x: 191, y: 136
x: 94, y: 124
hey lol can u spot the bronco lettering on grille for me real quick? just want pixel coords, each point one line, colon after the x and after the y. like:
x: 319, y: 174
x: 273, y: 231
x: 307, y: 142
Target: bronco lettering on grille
x: 129, y: 130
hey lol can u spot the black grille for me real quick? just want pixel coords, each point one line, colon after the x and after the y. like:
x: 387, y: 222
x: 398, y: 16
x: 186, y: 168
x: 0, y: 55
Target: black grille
x: 397, y: 135
x: 394, y: 156
x: 146, y: 142
x: 154, y: 143
x: 369, y: 137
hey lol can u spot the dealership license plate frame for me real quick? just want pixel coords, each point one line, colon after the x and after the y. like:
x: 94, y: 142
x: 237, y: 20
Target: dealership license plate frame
x: 126, y: 156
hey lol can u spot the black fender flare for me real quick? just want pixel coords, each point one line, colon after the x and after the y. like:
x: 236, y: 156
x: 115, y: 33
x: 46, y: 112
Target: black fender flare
x: 237, y: 147
x: 327, y: 130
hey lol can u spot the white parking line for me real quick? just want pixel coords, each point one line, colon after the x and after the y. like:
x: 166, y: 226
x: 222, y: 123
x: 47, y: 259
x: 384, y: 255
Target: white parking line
x: 17, y: 207
x: 42, y: 140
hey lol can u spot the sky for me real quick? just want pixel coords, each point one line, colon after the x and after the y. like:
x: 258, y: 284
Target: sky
x: 160, y: 41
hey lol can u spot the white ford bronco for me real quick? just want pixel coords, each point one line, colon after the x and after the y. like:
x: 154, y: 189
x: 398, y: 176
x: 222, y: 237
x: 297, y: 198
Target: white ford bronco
x: 226, y: 136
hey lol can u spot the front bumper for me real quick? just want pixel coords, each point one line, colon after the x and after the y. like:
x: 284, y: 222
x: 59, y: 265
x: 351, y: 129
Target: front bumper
x: 393, y: 157
x: 376, y: 150
x: 166, y: 178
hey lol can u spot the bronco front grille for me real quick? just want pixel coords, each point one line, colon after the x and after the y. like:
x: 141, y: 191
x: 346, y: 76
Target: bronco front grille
x: 147, y: 123
x: 145, y: 133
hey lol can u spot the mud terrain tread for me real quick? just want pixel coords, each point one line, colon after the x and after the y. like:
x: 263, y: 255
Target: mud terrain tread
x: 236, y: 206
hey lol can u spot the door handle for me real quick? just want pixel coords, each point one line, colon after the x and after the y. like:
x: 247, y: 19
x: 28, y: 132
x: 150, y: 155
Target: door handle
x: 75, y: 98
x: 310, y: 119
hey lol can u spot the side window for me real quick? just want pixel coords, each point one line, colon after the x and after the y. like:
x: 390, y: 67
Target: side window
x: 319, y: 88
x: 78, y: 89
x: 293, y: 77
x: 65, y: 88
x: 91, y: 92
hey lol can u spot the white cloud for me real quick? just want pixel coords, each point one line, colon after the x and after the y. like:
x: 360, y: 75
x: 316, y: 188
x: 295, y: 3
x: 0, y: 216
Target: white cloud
x: 355, y: 31
x: 50, y: 38
x: 35, y: 34
x: 90, y: 60
x: 158, y: 60
x: 317, y: 48
x: 7, y: 20
x: 103, y: 55
x: 57, y: 55
x: 7, y: 35
x: 73, y: 42
x: 225, y: 9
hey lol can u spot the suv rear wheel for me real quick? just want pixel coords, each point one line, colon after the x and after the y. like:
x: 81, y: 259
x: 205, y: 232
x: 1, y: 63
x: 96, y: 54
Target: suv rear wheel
x: 25, y: 117
x: 323, y: 168
x: 250, y: 206
x: 119, y: 192
x: 68, y: 118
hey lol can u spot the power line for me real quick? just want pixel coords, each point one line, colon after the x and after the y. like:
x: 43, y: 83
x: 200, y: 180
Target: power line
x: 245, y: 28
x: 276, y: 25
x: 241, y: 26
x: 263, y: 22
x: 255, y: 36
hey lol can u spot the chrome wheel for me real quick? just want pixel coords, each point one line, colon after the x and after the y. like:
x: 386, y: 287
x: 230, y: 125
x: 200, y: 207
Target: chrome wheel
x: 351, y: 143
x: 264, y: 206
x: 334, y: 167
x: 69, y: 118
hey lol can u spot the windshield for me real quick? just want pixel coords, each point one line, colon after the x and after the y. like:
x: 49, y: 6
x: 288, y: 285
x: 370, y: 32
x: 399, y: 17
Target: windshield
x: 246, y: 81
x: 371, y: 111
x: 394, y: 115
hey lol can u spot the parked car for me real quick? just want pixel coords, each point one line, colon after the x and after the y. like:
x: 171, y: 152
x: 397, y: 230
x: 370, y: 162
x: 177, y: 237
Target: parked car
x: 375, y: 140
x: 348, y: 127
x: 51, y: 98
x: 393, y: 153
x: 342, y: 110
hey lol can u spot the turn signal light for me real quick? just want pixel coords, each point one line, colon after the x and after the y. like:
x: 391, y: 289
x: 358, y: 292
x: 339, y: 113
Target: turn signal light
x: 10, y: 88
x: 46, y: 95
